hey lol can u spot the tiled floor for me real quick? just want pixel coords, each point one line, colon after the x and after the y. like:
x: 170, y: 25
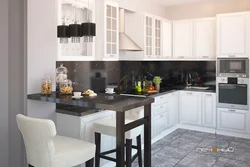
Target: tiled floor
x: 178, y: 149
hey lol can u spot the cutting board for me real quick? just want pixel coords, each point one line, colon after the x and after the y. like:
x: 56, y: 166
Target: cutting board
x: 152, y: 91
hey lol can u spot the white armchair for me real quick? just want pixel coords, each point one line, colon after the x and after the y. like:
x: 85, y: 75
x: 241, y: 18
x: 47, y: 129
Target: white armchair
x: 46, y: 149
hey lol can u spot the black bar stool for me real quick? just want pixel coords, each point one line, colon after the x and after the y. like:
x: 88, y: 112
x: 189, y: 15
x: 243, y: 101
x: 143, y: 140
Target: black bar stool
x: 108, y: 127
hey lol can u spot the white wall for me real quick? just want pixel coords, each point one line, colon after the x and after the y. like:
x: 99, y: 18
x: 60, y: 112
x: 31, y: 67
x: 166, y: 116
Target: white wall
x: 143, y: 6
x: 209, y: 9
x: 4, y: 153
x: 42, y: 53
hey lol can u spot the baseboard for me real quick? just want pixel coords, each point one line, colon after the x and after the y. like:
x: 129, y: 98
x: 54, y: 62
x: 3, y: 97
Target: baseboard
x: 212, y: 130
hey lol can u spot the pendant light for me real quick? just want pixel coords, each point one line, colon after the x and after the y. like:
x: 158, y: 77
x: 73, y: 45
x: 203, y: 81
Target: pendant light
x: 88, y: 28
x: 63, y: 32
x: 75, y: 30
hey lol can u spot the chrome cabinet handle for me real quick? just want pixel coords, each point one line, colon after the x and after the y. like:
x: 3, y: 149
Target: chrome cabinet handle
x: 231, y: 55
x: 181, y: 57
x: 232, y: 110
x: 205, y: 57
x: 208, y: 95
x: 189, y: 93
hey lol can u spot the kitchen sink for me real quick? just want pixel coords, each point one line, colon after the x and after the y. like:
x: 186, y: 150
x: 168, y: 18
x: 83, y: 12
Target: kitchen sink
x: 197, y: 87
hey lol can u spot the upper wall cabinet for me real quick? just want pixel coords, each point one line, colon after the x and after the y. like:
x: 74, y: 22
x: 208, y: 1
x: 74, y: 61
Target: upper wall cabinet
x: 158, y: 38
x: 233, y: 37
x: 71, y: 12
x: 107, y: 29
x: 204, y: 38
x: 153, y: 34
x: 194, y: 39
x: 183, y: 39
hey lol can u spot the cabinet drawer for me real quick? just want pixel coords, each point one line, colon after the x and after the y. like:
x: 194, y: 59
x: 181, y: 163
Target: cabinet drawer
x: 161, y: 100
x: 160, y: 123
x: 160, y: 109
x: 232, y: 120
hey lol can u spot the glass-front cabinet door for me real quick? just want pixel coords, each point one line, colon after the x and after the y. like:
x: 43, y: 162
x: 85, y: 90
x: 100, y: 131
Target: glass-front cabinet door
x: 149, y: 37
x: 157, y: 39
x: 112, y: 31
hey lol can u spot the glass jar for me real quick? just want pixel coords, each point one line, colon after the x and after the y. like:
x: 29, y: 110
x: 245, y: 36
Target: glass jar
x: 66, y: 87
x: 46, y: 87
x: 61, y: 74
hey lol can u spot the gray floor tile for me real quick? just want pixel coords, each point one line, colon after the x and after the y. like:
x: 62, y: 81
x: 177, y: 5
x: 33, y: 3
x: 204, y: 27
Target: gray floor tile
x: 160, y: 160
x: 171, y: 152
x: 198, y: 133
x: 191, y: 137
x: 184, y: 143
x: 239, y: 154
x: 241, y: 140
x: 223, y: 162
x: 195, y: 159
x: 208, y: 143
x: 223, y: 137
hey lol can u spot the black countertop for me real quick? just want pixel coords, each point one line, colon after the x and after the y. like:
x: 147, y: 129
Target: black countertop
x: 102, y: 101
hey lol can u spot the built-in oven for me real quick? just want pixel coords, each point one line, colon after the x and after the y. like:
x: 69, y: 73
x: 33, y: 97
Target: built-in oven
x: 237, y: 67
x: 232, y: 92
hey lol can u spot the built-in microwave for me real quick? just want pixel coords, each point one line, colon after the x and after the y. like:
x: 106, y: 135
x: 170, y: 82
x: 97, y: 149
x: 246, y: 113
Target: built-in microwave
x: 233, y: 93
x: 237, y: 67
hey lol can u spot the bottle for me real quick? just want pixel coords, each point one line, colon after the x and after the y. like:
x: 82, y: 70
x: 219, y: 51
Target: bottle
x: 139, y: 85
x: 144, y: 83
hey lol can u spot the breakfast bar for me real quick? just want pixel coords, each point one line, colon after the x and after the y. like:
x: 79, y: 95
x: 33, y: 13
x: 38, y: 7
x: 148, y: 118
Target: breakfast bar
x: 119, y: 104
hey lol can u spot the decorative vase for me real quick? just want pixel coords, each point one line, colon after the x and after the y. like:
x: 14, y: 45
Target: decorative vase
x: 157, y: 87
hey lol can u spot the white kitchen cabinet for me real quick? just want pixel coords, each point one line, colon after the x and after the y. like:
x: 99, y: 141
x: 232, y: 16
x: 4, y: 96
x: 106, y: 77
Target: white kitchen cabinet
x: 107, y: 29
x: 233, y: 120
x: 190, y: 107
x: 71, y: 51
x: 160, y: 123
x: 233, y: 35
x: 173, y: 108
x: 209, y: 110
x: 152, y: 33
x: 205, y: 38
x: 167, y: 39
x: 149, y: 36
x: 183, y: 39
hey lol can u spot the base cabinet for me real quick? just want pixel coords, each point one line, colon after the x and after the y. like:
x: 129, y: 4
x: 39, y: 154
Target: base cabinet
x: 233, y: 120
x: 209, y: 110
x: 165, y: 113
x: 190, y: 107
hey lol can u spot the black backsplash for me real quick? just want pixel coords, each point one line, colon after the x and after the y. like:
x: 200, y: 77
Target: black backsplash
x: 99, y: 75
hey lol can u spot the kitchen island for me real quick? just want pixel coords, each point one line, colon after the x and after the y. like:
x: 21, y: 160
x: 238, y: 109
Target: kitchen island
x: 119, y: 104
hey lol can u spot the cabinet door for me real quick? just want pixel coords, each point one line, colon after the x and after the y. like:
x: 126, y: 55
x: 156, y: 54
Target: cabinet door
x: 149, y: 27
x: 157, y: 38
x: 112, y: 31
x: 166, y: 39
x: 209, y: 110
x: 173, y: 108
x: 183, y: 39
x: 160, y: 123
x: 190, y: 107
x: 232, y: 120
x: 233, y: 35
x: 205, y: 38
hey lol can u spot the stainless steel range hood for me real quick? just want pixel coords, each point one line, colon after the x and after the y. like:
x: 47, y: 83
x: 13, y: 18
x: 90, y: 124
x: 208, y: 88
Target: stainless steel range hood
x: 126, y: 43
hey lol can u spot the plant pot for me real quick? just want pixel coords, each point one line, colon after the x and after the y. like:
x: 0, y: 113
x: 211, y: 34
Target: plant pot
x: 157, y: 87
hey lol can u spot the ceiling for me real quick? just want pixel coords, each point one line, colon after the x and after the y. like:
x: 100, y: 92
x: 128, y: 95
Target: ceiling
x: 178, y: 2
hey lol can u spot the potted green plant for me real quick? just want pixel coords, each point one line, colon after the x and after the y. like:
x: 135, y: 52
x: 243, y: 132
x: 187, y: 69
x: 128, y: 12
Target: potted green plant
x: 157, y: 81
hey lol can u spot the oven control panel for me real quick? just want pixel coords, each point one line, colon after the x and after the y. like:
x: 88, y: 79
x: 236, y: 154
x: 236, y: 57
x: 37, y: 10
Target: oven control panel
x: 222, y: 79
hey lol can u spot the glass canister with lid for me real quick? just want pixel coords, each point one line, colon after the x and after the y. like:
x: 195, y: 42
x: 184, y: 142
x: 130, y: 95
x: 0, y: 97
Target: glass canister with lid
x: 61, y: 74
x: 46, y: 87
x: 66, y: 87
